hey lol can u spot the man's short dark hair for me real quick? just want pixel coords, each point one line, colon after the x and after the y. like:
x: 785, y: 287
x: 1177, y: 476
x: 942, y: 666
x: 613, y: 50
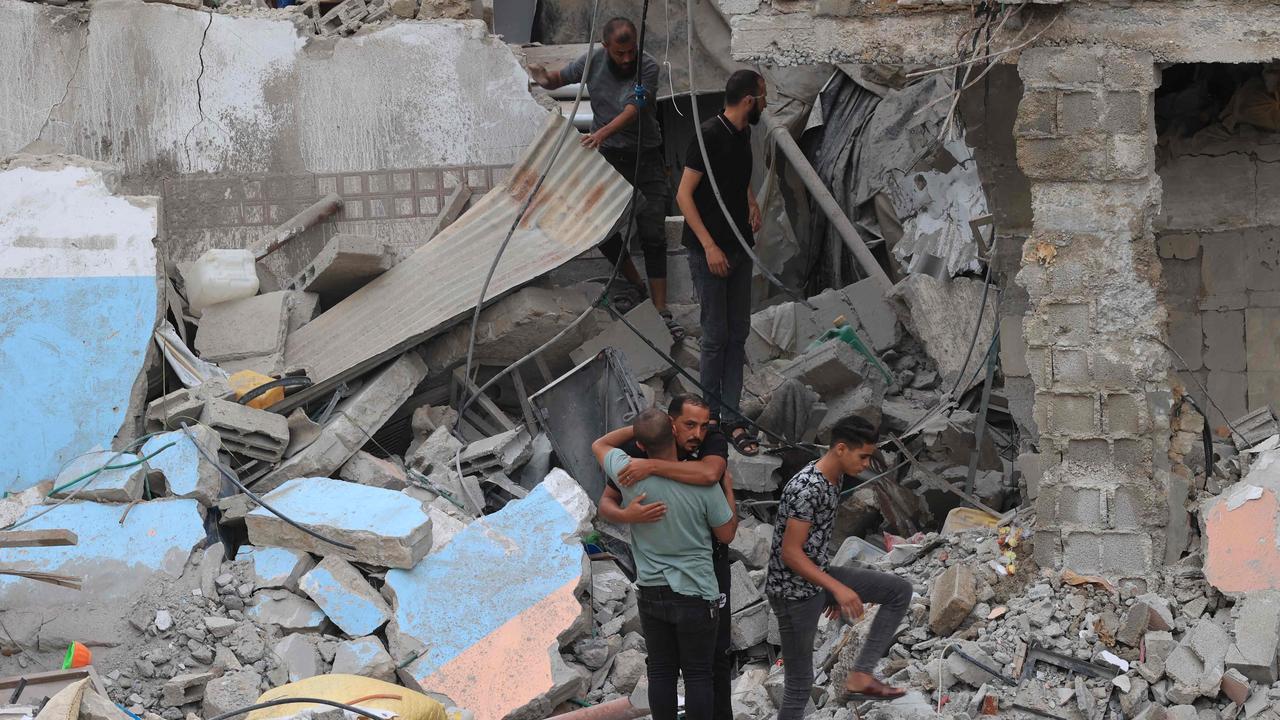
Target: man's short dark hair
x: 676, y: 408
x: 617, y: 25
x: 653, y: 430
x: 855, y: 431
x: 743, y: 83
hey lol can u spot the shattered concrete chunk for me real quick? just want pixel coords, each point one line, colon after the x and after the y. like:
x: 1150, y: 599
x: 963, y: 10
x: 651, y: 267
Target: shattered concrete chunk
x: 343, y: 265
x: 274, y: 567
x: 387, y: 528
x: 749, y: 627
x: 503, y: 452
x: 643, y: 362
x: 353, y: 422
x: 374, y: 471
x: 247, y: 431
x: 121, y: 484
x: 525, y: 561
x: 930, y: 309
x: 831, y: 368
x: 951, y: 599
x: 751, y: 544
x: 299, y: 656
x: 762, y: 473
x: 1197, y: 664
x: 230, y: 692
x: 366, y: 657
x: 514, y: 326
x: 1257, y: 637
x: 185, y: 688
x: 444, y: 527
x: 345, y: 596
x: 246, y: 328
x: 182, y: 470
x: 743, y: 590
x: 628, y: 669
x: 291, y: 612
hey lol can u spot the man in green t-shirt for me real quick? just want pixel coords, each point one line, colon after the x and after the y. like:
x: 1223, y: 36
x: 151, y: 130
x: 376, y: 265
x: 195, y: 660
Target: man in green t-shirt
x: 675, y: 577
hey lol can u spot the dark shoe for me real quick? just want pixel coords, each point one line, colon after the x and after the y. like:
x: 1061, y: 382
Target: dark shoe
x: 677, y: 330
x: 745, y: 441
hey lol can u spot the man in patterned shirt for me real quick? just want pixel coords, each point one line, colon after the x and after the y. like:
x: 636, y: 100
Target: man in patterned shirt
x: 800, y: 585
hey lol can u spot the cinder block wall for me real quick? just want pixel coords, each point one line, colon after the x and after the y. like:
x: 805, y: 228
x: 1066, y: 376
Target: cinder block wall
x: 1094, y: 323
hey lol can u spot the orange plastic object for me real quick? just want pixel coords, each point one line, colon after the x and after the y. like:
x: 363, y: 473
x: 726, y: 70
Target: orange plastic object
x: 77, y: 656
x: 246, y: 380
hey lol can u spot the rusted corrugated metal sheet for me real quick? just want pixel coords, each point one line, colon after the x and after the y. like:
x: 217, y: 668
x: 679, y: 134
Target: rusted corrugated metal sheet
x: 438, y: 284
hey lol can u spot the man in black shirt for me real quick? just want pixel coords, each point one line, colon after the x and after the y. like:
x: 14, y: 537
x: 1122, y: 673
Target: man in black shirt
x: 703, y: 454
x: 720, y: 267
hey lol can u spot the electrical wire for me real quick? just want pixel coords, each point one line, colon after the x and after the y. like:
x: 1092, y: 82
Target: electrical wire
x: 1186, y: 368
x: 528, y: 201
x: 360, y: 712
x: 254, y: 497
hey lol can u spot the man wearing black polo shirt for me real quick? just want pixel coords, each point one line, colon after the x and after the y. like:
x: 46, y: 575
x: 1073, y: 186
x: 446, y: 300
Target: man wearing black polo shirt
x: 720, y: 267
x: 703, y: 455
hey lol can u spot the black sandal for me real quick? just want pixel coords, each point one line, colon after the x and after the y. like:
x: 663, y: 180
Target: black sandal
x: 744, y: 439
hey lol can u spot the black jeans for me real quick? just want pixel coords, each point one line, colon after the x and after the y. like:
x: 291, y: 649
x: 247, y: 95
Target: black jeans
x: 680, y: 634
x: 726, y: 322
x: 722, y: 665
x: 650, y: 215
x: 798, y: 622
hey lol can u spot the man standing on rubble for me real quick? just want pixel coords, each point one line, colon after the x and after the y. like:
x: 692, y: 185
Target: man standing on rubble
x: 624, y: 126
x: 675, y: 580
x: 720, y: 267
x: 800, y: 585
x: 702, y: 459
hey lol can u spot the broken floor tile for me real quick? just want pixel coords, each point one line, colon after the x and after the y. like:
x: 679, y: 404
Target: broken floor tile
x: 526, y: 563
x: 345, y: 596
x: 182, y: 469
x: 387, y: 528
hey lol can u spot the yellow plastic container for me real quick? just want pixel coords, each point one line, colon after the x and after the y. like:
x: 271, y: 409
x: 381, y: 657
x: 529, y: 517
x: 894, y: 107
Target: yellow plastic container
x: 245, y: 380
x: 961, y: 519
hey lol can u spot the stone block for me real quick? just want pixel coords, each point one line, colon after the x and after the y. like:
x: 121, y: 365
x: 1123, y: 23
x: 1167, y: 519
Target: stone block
x: 1123, y: 414
x: 1186, y: 337
x: 1230, y: 390
x: 122, y: 484
x: 250, y: 327
x: 951, y: 599
x: 1257, y: 637
x: 355, y: 419
x: 1264, y: 388
x: 299, y: 657
x: 643, y: 362
x: 504, y: 452
x: 1262, y: 251
x: 525, y: 561
x: 1209, y: 193
x: 231, y: 692
x: 831, y: 368
x: 182, y: 470
x: 290, y: 612
x: 1182, y: 284
x: 344, y: 265
x: 752, y: 543
x: 387, y: 528
x: 1037, y: 114
x: 761, y: 474
x: 365, y: 657
x: 1070, y: 415
x: 345, y: 597
x: 247, y: 431
x: 274, y: 567
x: 749, y: 627
x: 1262, y: 337
x: 1224, y: 341
x: 367, y: 469
x: 185, y: 688
x: 743, y: 590
x: 1178, y: 246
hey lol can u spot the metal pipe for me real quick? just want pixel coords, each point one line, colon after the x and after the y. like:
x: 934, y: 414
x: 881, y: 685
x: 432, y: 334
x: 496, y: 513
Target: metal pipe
x: 620, y: 709
x: 296, y: 225
x: 830, y: 208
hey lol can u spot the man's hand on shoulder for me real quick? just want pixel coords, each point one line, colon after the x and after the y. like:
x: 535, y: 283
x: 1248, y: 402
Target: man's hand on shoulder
x: 637, y: 512
x: 635, y: 471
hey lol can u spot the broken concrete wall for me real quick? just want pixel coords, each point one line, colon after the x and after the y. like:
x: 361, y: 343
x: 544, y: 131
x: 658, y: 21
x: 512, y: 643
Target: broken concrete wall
x: 78, y: 302
x: 164, y: 91
x: 1218, y: 240
x: 1085, y: 136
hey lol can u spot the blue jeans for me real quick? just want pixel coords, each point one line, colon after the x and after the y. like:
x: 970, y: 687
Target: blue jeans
x: 725, y: 304
x: 680, y: 636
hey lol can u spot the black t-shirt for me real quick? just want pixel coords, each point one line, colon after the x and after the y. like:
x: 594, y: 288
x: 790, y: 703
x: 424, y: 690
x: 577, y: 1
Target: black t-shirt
x: 715, y: 443
x: 729, y: 150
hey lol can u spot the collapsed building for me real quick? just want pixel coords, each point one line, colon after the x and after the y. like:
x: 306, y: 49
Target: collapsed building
x: 1045, y: 225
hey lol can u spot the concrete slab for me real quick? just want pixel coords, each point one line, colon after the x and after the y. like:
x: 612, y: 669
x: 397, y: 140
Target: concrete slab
x: 761, y: 474
x: 515, y: 325
x: 299, y: 656
x: 525, y: 561
x: 1241, y: 545
x: 292, y: 613
x: 343, y: 265
x: 941, y: 315
x: 387, y: 528
x: 831, y: 368
x: 274, y: 567
x: 78, y: 304
x: 366, y: 657
x: 122, y: 484
x: 643, y: 362
x: 1257, y: 637
x: 345, y: 596
x: 181, y: 470
x: 367, y: 469
x: 353, y: 423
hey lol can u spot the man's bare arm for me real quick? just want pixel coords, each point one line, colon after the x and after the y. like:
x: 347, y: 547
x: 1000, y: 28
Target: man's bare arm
x: 548, y: 79
x: 706, y: 471
x: 635, y: 512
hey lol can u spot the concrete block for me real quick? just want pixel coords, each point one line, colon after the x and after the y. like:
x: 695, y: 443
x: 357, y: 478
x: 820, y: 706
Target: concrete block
x: 247, y: 431
x: 367, y: 469
x: 1230, y: 390
x: 951, y: 599
x: 515, y: 325
x: 743, y: 591
x: 1263, y: 388
x: 1235, y: 686
x: 876, y: 318
x: 749, y: 626
x: 929, y: 310
x: 171, y: 410
x: 299, y: 656
x: 1224, y: 341
x: 231, y: 692
x: 274, y: 567
x: 182, y: 470
x: 185, y: 688
x: 1031, y: 467
x: 387, y: 528
x: 124, y: 484
x: 437, y: 452
x: 1178, y: 246
x: 355, y: 419
x: 762, y: 473
x: 504, y: 452
x: 832, y: 368
x: 751, y: 544
x: 643, y: 362
x: 250, y: 327
x: 1134, y: 625
x: 291, y: 612
x: 444, y: 527
x: 345, y: 597
x: 1257, y: 637
x: 1123, y: 414
x: 525, y: 562
x: 344, y: 265
x: 365, y: 657
x: 1197, y: 664
x: 1013, y: 349
x: 1186, y: 337
x: 1262, y: 338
